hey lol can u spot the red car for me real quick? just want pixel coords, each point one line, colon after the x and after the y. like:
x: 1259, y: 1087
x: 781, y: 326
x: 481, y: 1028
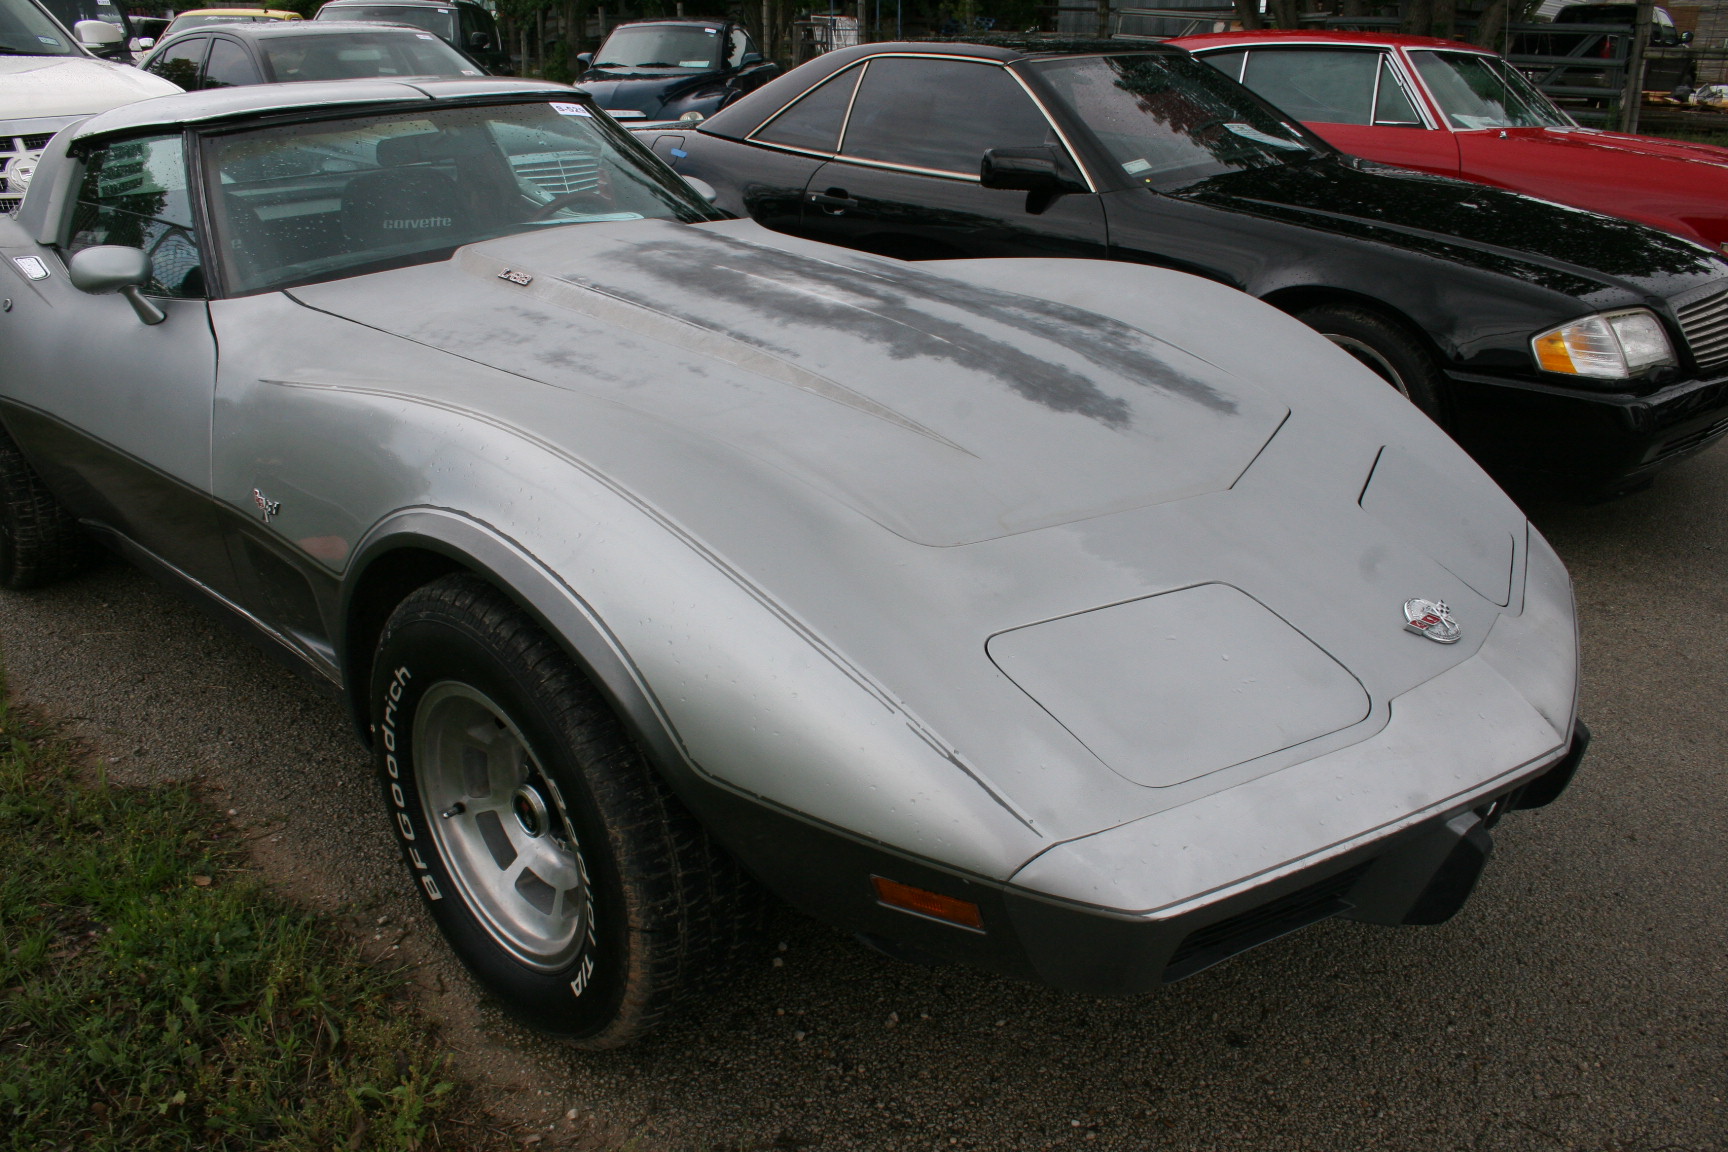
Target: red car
x: 1459, y: 110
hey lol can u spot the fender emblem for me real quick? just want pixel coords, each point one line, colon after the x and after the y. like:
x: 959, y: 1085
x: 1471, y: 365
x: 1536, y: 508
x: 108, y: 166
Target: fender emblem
x: 267, y: 506
x: 1431, y: 618
x: 516, y: 277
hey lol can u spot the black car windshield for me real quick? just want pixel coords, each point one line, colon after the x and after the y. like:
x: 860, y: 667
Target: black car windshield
x: 1478, y: 91
x: 25, y: 31
x: 1172, y: 121
x: 441, y: 22
x: 362, y: 55
x: 298, y: 203
x: 661, y: 46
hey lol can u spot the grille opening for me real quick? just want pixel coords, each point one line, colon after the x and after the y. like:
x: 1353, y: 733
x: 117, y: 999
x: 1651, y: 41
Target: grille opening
x: 38, y: 142
x: 1705, y: 325
x: 1691, y: 440
x: 1206, y: 946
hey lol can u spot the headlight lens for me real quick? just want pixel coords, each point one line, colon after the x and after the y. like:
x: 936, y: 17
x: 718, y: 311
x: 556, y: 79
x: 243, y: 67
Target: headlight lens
x: 1612, y: 346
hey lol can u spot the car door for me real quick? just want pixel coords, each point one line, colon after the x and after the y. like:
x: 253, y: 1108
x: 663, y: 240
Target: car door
x: 1359, y: 100
x: 765, y: 176
x: 116, y: 412
x: 229, y: 65
x: 182, y: 63
x: 905, y: 180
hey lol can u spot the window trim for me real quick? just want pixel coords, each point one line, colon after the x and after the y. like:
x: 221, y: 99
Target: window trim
x: 839, y: 156
x: 245, y: 50
x: 1418, y: 95
x: 195, y: 190
x: 1493, y: 59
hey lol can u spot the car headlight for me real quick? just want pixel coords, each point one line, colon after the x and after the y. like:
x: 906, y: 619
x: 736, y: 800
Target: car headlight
x: 1610, y: 346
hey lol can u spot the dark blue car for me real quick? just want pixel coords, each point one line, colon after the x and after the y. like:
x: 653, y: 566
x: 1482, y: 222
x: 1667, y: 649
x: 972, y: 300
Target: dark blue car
x: 665, y: 69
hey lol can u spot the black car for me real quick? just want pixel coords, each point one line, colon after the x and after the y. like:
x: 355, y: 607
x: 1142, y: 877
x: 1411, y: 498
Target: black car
x: 1552, y: 342
x: 667, y: 69
x: 463, y: 24
x: 226, y: 55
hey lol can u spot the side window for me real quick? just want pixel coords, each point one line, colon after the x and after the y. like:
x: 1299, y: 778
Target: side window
x: 940, y: 114
x: 134, y: 194
x: 813, y: 121
x: 1393, y: 104
x: 1229, y: 63
x: 1332, y: 86
x: 182, y: 63
x: 229, y: 65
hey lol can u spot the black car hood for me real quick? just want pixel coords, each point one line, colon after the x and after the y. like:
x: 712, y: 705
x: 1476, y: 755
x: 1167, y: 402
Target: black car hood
x: 646, y: 92
x: 1564, y: 249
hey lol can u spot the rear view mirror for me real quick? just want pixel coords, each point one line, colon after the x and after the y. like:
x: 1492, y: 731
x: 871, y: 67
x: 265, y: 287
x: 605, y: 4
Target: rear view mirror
x: 586, y: 59
x: 97, y: 34
x: 111, y: 268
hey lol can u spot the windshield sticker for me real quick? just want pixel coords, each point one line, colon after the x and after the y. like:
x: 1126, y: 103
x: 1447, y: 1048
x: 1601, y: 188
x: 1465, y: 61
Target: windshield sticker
x: 692, y: 63
x: 425, y: 36
x: 1135, y: 167
x: 32, y: 268
x: 49, y: 40
x: 1248, y: 131
x: 570, y: 110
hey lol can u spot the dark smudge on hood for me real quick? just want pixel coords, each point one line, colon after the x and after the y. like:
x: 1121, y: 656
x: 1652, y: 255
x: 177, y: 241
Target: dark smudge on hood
x: 899, y: 313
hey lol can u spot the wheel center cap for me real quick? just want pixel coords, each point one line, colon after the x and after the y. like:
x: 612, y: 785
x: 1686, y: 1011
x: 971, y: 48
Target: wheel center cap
x: 530, y: 809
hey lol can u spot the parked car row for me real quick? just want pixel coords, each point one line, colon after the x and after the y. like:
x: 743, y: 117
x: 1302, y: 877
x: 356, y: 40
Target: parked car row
x: 1090, y: 621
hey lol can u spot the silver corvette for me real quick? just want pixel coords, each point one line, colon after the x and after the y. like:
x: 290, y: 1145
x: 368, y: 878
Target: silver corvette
x: 1086, y: 622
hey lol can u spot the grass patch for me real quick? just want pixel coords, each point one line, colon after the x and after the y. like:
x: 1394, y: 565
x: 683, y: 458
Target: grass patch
x: 154, y: 995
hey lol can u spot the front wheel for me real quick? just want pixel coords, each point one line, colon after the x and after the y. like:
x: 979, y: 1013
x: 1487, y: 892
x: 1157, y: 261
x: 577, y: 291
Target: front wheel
x: 560, y: 868
x: 1385, y: 349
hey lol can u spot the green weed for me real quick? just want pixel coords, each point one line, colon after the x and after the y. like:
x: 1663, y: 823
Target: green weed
x: 154, y: 995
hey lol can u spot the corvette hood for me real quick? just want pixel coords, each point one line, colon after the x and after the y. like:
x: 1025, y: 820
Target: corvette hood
x: 1565, y: 249
x: 33, y: 87
x: 947, y: 412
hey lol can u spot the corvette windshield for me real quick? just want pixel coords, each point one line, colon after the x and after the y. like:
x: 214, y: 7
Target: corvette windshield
x: 1172, y: 121
x: 299, y: 203
x: 661, y: 46
x: 25, y: 31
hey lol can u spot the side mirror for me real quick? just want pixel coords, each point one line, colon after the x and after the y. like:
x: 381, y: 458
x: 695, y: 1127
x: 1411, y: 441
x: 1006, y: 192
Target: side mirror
x: 749, y: 59
x: 1685, y: 37
x: 111, y: 268
x: 702, y: 188
x: 586, y: 59
x: 1041, y: 170
x: 479, y: 41
x: 97, y: 34
x: 145, y: 43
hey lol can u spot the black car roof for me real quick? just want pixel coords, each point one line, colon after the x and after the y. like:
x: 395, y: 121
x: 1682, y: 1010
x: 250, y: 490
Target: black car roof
x: 402, y: 4
x: 740, y: 119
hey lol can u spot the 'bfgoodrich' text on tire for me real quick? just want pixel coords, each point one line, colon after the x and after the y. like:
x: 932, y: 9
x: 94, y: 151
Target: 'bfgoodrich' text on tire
x: 561, y: 869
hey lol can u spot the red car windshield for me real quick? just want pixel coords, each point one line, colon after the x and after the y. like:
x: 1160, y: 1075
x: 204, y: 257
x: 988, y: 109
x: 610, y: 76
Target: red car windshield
x: 1476, y: 91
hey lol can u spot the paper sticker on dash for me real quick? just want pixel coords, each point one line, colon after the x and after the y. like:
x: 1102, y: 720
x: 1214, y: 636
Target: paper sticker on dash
x: 570, y: 110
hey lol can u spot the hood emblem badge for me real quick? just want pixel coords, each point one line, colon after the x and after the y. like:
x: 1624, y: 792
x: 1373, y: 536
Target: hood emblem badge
x: 267, y: 507
x: 1431, y: 618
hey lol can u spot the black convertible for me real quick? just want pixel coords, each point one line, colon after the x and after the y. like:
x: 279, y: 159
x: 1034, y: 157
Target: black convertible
x: 1552, y: 342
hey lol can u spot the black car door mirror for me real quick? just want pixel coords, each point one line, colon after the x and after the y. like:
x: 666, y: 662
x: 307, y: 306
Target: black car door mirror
x: 479, y: 41
x: 1041, y: 170
x: 749, y: 59
x: 112, y: 268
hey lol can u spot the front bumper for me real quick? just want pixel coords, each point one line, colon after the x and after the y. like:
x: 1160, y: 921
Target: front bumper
x: 1591, y: 442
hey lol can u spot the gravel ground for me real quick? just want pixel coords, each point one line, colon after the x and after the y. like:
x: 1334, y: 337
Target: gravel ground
x: 1578, y: 1002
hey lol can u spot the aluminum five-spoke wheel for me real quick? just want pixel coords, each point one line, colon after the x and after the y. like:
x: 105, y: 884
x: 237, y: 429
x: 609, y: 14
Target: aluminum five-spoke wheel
x: 502, y: 827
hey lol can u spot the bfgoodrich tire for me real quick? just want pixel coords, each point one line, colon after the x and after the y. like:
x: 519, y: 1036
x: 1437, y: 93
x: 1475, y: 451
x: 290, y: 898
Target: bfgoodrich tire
x: 563, y: 872
x: 40, y: 542
x: 1385, y: 349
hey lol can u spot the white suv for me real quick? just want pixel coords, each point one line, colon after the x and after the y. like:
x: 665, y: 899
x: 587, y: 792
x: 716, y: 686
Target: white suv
x: 49, y: 80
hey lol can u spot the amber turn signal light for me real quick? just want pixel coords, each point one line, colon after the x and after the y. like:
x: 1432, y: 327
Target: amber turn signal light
x: 925, y: 903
